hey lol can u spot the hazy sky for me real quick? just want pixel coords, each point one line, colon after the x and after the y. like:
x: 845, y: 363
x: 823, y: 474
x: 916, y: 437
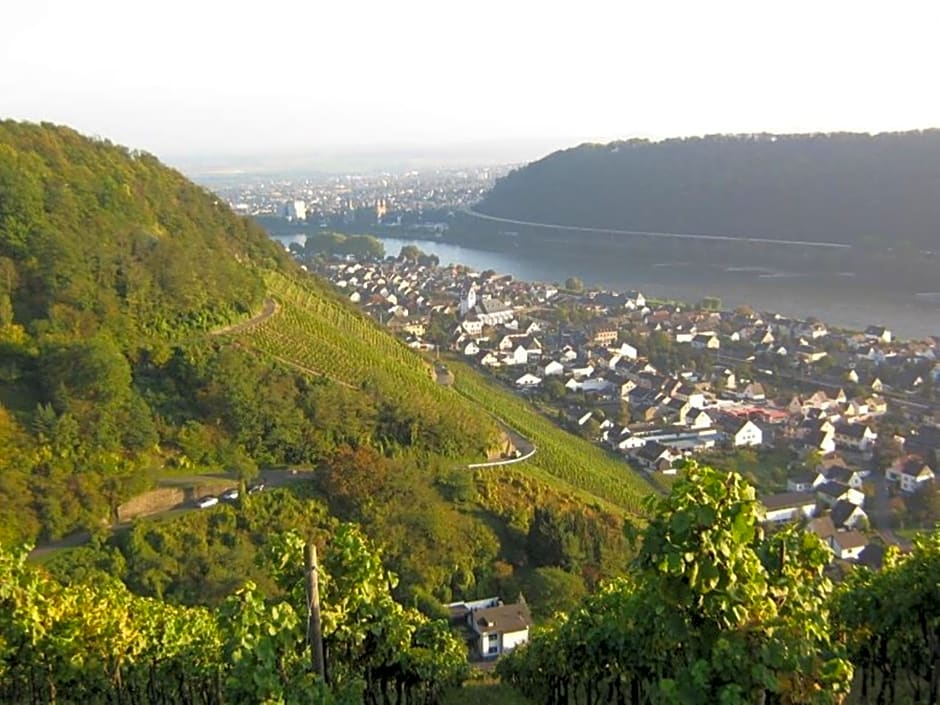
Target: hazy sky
x: 201, y: 77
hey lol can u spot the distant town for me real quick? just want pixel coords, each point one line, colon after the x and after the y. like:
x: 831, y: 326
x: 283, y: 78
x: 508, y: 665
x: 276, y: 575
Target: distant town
x: 836, y: 428
x: 411, y: 198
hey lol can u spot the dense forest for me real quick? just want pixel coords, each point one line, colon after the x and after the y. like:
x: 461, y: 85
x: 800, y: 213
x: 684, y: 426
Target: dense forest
x: 868, y: 191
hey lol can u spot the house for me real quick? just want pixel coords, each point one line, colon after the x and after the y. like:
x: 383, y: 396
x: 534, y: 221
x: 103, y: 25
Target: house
x: 847, y: 545
x: 841, y: 474
x: 499, y: 629
x: 741, y: 432
x: 459, y: 611
x: 820, y: 441
x: 519, y: 356
x: 656, y: 457
x: 472, y: 325
x: 492, y: 312
x: 706, y: 341
x: 597, y: 384
x: 698, y: 418
x: 823, y: 527
x: 788, y: 506
x: 471, y: 349
x: 488, y: 359
x: 846, y: 515
x: 878, y: 333
x: 552, y: 368
x: 528, y: 380
x: 754, y: 392
x: 582, y: 372
x: 625, y: 350
x: 910, y: 472
x: 832, y: 492
x: 800, y: 482
x: 604, y: 336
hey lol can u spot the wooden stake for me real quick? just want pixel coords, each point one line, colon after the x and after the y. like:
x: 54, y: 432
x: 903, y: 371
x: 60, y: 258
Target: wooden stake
x: 314, y: 631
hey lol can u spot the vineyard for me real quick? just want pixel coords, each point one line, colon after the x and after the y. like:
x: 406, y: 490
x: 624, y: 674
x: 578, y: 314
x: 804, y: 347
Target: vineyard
x: 561, y: 456
x: 321, y: 335
x: 326, y: 336
x: 95, y: 642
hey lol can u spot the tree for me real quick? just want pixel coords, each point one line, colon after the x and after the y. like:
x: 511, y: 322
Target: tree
x: 574, y: 284
x: 410, y: 252
x: 551, y: 589
x: 710, y: 303
x: 712, y: 611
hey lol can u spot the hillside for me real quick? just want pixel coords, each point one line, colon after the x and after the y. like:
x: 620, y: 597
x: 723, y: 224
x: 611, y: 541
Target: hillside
x: 150, y: 337
x: 115, y: 271
x: 855, y: 189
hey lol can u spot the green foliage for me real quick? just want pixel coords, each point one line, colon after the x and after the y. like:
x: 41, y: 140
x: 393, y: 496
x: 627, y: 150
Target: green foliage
x: 562, y: 459
x: 890, y: 620
x: 94, y: 642
x: 713, y: 611
x: 332, y: 244
x: 354, y: 351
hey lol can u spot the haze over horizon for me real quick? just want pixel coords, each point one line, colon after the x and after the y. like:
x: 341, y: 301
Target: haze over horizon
x: 212, y: 83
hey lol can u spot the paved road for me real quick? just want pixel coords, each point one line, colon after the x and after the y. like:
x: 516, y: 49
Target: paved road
x: 270, y: 478
x: 645, y: 233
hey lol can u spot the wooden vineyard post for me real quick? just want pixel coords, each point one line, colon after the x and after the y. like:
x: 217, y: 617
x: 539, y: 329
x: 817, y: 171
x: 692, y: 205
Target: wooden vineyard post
x: 314, y: 631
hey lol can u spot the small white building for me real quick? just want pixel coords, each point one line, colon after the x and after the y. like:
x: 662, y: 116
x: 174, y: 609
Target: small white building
x: 910, y: 472
x: 500, y: 629
x: 788, y: 506
x: 528, y: 380
x: 847, y: 545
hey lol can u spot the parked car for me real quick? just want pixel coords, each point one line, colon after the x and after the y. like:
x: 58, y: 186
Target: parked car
x: 255, y: 488
x: 207, y: 501
x: 230, y: 495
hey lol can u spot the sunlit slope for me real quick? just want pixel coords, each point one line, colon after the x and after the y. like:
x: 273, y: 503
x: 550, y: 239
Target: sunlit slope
x: 561, y: 455
x: 323, y: 336
x: 318, y: 334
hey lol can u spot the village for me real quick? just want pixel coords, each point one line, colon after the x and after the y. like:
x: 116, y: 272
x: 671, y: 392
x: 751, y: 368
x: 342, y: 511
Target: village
x: 837, y: 429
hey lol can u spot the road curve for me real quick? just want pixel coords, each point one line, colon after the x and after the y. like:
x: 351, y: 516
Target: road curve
x: 271, y: 307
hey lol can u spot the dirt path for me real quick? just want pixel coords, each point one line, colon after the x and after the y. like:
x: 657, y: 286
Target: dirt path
x: 271, y: 307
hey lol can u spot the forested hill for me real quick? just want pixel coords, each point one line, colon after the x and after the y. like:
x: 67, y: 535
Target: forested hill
x: 847, y: 188
x: 94, y: 236
x: 115, y: 273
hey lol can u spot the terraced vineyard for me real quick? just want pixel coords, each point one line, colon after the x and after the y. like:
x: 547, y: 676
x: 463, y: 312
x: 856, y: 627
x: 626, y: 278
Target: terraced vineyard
x: 321, y: 335
x: 561, y: 455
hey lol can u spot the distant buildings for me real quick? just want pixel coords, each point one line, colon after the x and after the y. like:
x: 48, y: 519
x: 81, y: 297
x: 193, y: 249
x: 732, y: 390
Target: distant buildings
x: 295, y: 210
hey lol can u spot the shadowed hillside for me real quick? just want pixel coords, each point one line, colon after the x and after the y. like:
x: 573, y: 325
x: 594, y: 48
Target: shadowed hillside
x: 873, y: 191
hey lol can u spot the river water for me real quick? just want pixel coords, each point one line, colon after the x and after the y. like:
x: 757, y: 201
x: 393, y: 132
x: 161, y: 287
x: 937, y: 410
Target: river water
x: 842, y: 300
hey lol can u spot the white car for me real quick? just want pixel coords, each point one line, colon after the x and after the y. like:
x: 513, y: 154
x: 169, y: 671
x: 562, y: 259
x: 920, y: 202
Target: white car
x: 206, y: 502
x: 230, y: 495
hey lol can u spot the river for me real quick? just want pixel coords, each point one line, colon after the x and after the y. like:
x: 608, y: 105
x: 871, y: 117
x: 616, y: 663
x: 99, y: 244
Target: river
x: 842, y: 300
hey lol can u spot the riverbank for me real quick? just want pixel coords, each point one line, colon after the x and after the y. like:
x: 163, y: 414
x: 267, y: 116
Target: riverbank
x: 841, y: 299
